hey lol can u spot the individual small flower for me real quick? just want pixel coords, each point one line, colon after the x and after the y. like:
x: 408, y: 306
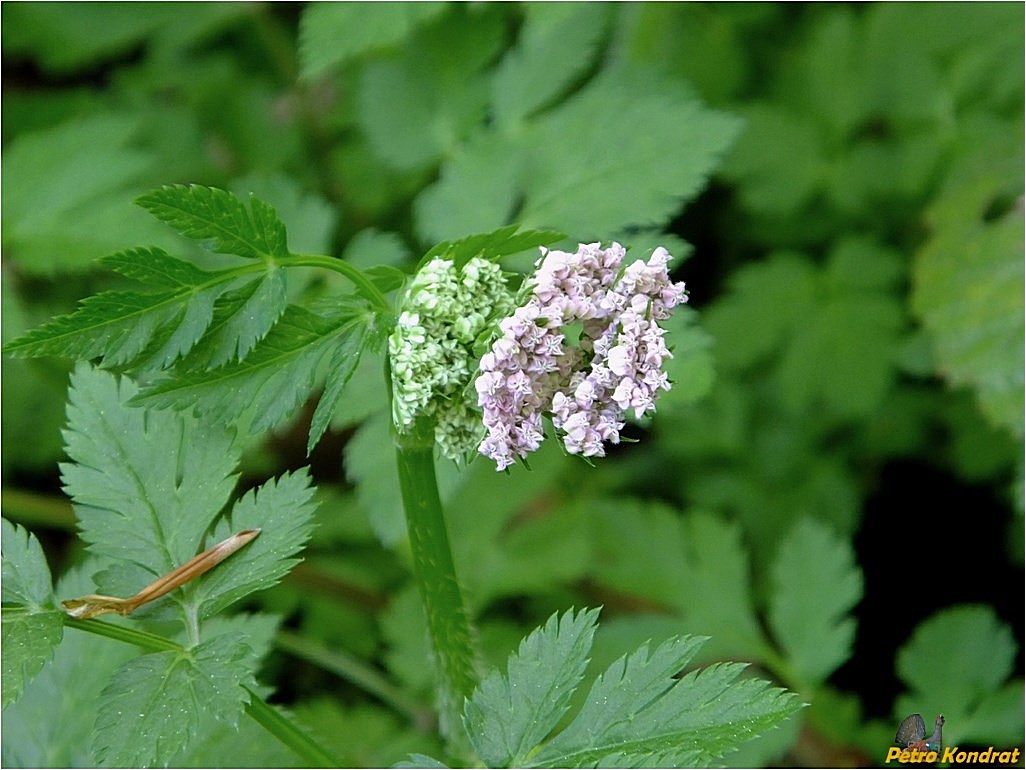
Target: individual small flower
x: 587, y: 389
x: 444, y: 311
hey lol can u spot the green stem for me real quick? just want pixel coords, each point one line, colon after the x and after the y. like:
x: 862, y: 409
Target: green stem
x: 143, y: 639
x: 354, y: 274
x: 260, y: 710
x: 435, y: 573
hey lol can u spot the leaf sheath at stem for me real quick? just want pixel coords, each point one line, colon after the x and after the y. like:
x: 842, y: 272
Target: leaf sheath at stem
x: 435, y: 573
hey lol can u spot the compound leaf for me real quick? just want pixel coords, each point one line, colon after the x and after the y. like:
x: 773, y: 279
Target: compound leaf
x: 32, y: 628
x: 157, y: 703
x: 283, y: 510
x: 640, y: 714
x: 146, y: 485
x: 218, y: 216
x: 274, y: 379
x: 816, y: 583
x: 119, y: 327
x: 241, y: 319
x: 509, y: 715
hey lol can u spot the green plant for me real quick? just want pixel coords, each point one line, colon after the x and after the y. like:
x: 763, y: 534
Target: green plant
x: 856, y: 263
x: 229, y: 355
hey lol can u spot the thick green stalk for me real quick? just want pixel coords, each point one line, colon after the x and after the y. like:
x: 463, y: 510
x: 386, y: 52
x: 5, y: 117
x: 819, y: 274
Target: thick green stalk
x: 435, y: 573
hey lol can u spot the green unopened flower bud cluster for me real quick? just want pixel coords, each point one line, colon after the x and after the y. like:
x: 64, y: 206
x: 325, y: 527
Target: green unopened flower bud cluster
x: 445, y: 309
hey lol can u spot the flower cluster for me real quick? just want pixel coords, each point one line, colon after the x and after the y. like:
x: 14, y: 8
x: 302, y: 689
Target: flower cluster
x: 444, y: 311
x: 588, y: 387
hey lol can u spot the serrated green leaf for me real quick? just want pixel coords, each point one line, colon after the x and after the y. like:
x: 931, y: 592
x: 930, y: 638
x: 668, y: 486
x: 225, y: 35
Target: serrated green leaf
x: 218, y: 216
x: 697, y: 565
x: 155, y: 267
x: 955, y: 657
x: 26, y: 576
x: 269, y: 385
x: 498, y: 243
x: 418, y: 103
x: 331, y: 34
x: 157, y: 703
x: 31, y: 626
x: 51, y: 723
x: 64, y: 192
x: 967, y: 291
x: 29, y: 640
x: 715, y: 594
x: 556, y: 45
x: 146, y: 485
x: 483, y: 181
x: 121, y: 327
x: 343, y: 363
x: 508, y: 716
x: 283, y: 511
x: 240, y: 320
x: 575, y: 182
x: 640, y: 714
x: 816, y: 583
x: 310, y: 219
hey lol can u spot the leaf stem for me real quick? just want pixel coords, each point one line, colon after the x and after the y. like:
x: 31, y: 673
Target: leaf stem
x: 258, y: 708
x: 354, y: 274
x: 435, y: 573
x: 143, y: 639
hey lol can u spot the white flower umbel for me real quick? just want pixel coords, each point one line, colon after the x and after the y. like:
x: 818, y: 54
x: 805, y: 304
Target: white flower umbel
x: 444, y: 310
x: 586, y: 389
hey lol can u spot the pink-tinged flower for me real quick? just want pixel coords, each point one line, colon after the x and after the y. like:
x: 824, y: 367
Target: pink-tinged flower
x: 586, y: 389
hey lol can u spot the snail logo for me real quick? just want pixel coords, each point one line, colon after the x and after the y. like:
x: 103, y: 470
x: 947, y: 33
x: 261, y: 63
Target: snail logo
x: 913, y: 728
x: 914, y: 747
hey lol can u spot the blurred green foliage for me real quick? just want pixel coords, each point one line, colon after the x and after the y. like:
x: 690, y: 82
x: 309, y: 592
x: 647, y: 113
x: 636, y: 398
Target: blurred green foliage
x: 856, y: 265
